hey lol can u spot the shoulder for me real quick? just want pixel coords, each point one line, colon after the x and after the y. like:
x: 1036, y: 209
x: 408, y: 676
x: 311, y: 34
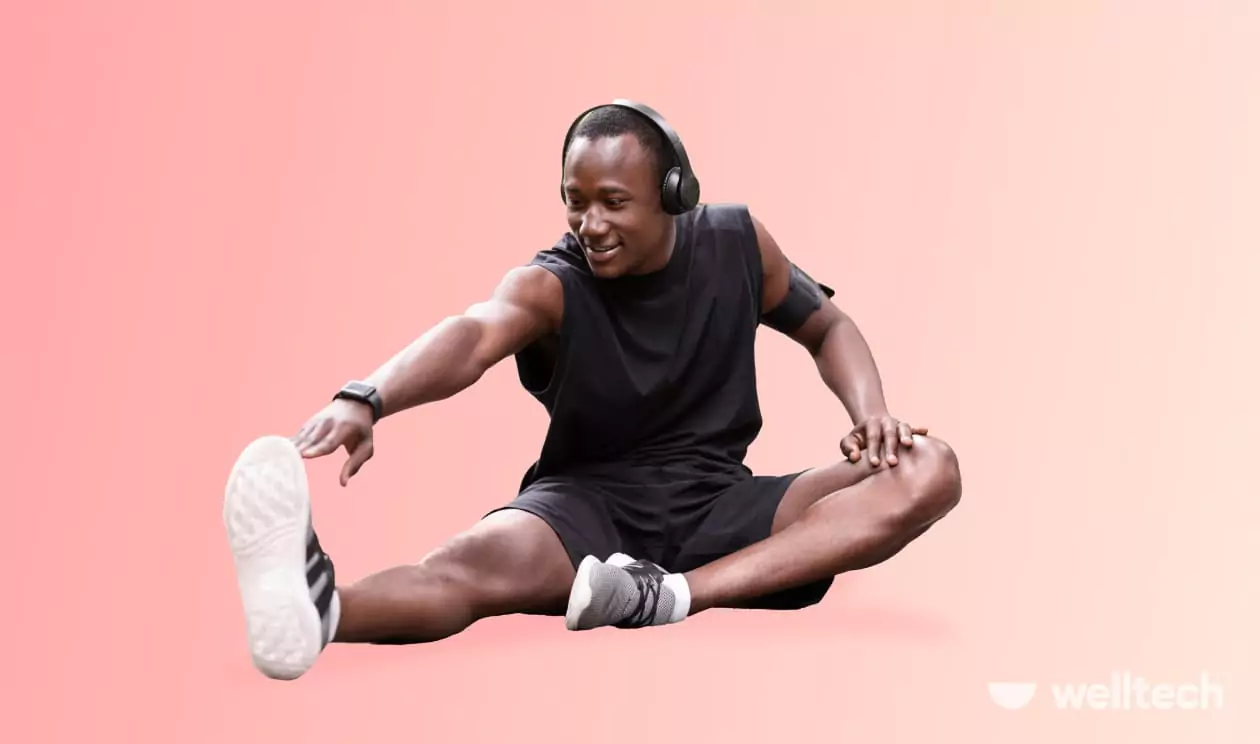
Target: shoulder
x: 728, y: 228
x: 732, y: 232
x: 728, y: 217
x: 538, y: 286
x: 548, y: 282
x: 533, y: 290
x: 738, y: 221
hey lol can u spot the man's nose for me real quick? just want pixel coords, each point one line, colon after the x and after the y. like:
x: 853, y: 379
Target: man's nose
x: 593, y: 225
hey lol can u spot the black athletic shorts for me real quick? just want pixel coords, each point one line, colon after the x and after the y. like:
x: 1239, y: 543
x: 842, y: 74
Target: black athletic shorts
x: 678, y: 531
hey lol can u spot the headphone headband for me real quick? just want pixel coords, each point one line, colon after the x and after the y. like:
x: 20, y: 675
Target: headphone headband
x: 680, y: 191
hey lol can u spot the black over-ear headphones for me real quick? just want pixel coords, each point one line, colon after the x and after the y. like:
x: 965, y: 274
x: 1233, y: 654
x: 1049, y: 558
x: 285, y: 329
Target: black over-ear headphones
x: 680, y: 191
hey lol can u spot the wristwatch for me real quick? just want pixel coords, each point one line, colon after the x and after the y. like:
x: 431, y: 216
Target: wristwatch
x: 361, y: 392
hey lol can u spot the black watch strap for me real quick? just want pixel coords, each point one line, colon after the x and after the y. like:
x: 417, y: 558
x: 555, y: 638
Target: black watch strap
x: 363, y: 393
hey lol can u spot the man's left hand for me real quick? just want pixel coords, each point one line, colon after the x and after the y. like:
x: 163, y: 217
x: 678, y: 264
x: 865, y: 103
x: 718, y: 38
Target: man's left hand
x: 880, y: 436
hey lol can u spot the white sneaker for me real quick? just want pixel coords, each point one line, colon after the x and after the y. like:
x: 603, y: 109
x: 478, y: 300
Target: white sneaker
x: 287, y: 582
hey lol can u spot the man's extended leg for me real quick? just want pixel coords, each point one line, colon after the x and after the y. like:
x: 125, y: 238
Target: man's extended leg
x: 831, y: 520
x: 509, y: 562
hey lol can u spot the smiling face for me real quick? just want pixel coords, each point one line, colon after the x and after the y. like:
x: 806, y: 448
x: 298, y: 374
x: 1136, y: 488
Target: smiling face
x: 612, y: 188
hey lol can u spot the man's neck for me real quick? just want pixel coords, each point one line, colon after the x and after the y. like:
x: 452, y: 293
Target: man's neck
x: 664, y: 252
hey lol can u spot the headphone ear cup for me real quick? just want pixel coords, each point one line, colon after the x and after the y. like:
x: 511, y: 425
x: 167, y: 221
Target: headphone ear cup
x: 670, y: 192
x: 688, y: 194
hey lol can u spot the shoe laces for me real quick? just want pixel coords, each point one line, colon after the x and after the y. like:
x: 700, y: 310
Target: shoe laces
x: 647, y: 581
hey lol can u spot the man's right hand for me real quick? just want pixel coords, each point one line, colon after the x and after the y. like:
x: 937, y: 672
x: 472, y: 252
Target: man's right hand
x: 342, y: 423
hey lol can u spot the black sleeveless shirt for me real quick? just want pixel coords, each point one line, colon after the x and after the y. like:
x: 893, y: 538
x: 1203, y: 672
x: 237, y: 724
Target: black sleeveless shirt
x: 652, y: 380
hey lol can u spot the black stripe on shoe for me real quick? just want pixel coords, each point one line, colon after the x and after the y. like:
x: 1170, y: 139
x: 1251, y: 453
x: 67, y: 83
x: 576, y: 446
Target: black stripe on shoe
x: 321, y: 579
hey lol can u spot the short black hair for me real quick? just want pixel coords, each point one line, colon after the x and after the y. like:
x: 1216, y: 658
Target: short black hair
x: 614, y: 121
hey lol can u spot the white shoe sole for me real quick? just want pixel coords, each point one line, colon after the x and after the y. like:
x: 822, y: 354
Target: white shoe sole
x: 266, y: 511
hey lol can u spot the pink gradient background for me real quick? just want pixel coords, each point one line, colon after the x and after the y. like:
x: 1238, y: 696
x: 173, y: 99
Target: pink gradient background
x: 1042, y: 215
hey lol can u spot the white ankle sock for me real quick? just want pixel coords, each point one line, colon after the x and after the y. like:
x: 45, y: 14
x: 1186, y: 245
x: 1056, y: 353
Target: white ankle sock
x: 677, y: 584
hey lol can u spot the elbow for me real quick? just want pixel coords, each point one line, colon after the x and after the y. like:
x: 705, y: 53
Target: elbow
x: 476, y: 356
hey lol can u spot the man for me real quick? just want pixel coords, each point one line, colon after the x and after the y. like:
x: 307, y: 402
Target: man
x: 636, y: 331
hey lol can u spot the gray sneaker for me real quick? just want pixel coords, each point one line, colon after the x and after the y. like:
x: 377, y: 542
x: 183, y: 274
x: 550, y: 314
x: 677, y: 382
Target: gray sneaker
x: 621, y: 593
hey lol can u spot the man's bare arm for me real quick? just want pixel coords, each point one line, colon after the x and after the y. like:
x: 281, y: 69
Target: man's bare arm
x: 843, y: 358
x: 527, y: 305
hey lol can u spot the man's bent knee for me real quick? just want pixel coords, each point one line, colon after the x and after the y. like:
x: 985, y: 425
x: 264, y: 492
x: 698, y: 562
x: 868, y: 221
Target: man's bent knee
x: 934, y: 485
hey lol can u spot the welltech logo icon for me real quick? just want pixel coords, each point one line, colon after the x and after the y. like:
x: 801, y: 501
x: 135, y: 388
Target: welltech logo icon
x: 1123, y: 691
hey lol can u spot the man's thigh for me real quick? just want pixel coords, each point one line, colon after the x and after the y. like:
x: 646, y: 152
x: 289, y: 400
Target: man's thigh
x: 511, y: 561
x: 744, y: 514
x: 814, y: 484
x: 568, y: 517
